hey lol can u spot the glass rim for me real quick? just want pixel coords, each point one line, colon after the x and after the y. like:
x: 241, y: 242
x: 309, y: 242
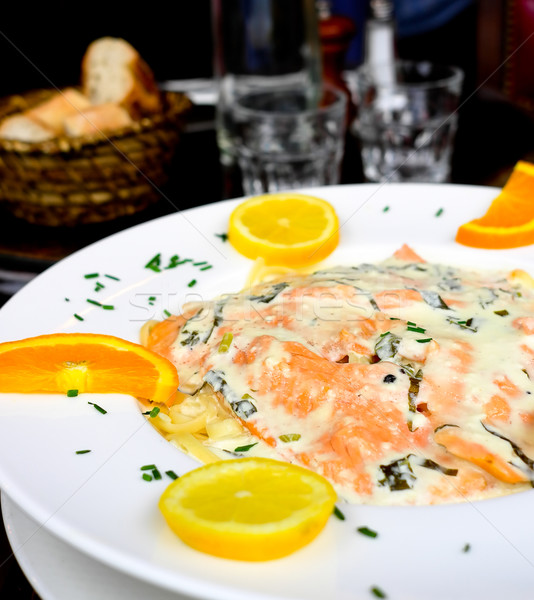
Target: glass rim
x: 456, y: 74
x: 339, y: 103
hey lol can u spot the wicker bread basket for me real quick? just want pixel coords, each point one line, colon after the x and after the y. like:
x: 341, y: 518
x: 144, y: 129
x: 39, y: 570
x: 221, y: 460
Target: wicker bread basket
x: 72, y: 181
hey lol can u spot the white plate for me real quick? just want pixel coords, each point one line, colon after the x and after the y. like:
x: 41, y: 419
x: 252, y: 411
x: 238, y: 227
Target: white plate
x: 57, y: 571
x: 98, y: 502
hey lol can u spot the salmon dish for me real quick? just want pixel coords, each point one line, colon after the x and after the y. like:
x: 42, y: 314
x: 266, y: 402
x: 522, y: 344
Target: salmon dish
x: 402, y: 382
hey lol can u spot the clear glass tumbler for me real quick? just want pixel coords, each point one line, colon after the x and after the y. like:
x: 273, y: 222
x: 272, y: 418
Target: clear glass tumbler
x: 407, y: 120
x: 283, y: 143
x: 262, y: 45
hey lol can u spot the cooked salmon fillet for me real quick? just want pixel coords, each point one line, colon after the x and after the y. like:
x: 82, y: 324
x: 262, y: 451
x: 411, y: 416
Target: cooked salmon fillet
x: 402, y: 382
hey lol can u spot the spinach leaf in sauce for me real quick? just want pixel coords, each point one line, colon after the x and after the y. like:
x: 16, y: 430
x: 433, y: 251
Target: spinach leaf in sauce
x: 427, y: 463
x: 242, y: 406
x: 413, y: 392
x: 199, y: 327
x: 271, y: 294
x: 468, y: 324
x: 517, y: 450
x: 398, y: 475
x: 387, y: 345
x: 433, y: 299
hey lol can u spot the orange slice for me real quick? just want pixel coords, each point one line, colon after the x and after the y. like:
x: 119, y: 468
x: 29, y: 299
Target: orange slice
x: 284, y: 229
x: 509, y: 221
x: 248, y: 509
x: 85, y: 362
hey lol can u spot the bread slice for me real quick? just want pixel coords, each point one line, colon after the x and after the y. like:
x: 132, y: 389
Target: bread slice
x: 25, y: 128
x: 63, y: 103
x: 99, y: 119
x: 113, y: 71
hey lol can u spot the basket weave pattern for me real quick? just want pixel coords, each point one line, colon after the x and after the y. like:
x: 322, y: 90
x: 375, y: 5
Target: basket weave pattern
x: 71, y: 181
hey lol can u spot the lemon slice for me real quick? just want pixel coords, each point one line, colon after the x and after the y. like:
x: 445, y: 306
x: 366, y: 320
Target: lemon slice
x: 248, y: 509
x: 284, y: 229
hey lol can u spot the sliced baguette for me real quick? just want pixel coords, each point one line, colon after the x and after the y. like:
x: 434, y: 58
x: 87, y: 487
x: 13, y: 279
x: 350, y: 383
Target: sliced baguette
x: 113, y: 71
x: 97, y: 120
x: 63, y: 103
x: 25, y: 129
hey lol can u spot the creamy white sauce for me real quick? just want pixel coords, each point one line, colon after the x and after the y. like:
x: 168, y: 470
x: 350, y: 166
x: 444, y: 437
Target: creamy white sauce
x: 365, y: 364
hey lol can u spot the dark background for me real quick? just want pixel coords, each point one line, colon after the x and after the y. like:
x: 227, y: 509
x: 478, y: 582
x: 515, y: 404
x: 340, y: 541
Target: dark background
x: 42, y: 43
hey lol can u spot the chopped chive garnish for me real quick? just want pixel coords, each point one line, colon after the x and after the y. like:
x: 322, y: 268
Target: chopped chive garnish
x: 72, y: 393
x: 98, y: 408
x: 91, y: 275
x: 108, y: 307
x: 199, y: 264
x: 152, y: 298
x: 148, y: 467
x: 67, y: 299
x: 466, y: 548
x: 95, y: 302
x: 147, y: 477
x: 338, y: 514
x: 192, y: 283
x: 226, y: 342
x: 76, y: 316
x: 416, y: 329
x: 98, y: 286
x: 166, y: 313
x: 368, y: 532
x: 154, y: 412
x: 206, y: 268
x: 82, y: 451
x: 411, y: 323
x: 171, y: 474
x: 377, y: 592
x: 156, y: 474
x: 501, y: 313
x: 439, y: 212
x: 223, y: 236
x: 289, y: 437
x: 184, y: 260
x: 154, y: 263
x: 385, y: 209
x: 244, y: 448
x: 424, y: 340
x: 112, y: 277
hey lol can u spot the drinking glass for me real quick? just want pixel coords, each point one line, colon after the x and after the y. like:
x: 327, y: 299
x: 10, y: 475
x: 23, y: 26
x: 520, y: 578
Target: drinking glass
x: 262, y: 45
x: 407, y: 120
x: 282, y: 142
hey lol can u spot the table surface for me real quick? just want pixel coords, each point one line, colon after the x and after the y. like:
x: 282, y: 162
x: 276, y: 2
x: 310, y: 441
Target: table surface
x: 492, y: 136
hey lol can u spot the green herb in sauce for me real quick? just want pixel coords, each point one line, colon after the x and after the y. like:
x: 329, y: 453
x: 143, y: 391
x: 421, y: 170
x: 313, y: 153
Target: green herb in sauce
x: 226, y: 342
x: 289, y: 437
x: 245, y: 448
